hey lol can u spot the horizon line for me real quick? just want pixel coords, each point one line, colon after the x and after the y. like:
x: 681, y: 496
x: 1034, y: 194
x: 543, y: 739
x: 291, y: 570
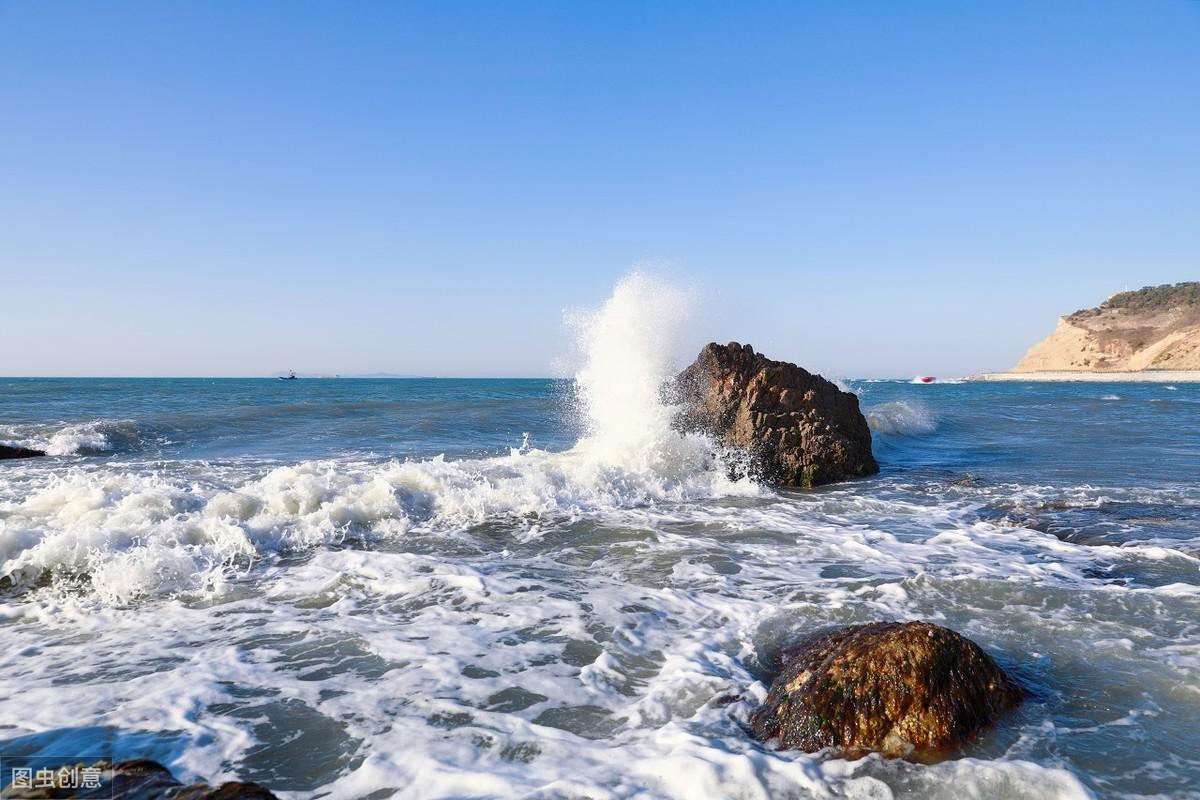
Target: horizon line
x: 370, y: 377
x: 272, y: 377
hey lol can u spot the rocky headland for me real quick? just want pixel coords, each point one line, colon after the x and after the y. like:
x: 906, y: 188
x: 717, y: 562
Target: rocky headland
x: 1152, y: 329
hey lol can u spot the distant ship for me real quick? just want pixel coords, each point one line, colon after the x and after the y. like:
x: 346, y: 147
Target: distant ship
x: 924, y: 379
x: 291, y: 376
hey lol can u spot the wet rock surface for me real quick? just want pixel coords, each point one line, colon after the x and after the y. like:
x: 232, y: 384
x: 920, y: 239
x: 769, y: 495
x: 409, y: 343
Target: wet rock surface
x: 911, y: 690
x: 7, y: 451
x: 132, y: 780
x: 797, y: 428
x: 1101, y: 522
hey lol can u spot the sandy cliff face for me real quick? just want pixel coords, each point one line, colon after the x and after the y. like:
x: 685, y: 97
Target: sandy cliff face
x: 1153, y: 328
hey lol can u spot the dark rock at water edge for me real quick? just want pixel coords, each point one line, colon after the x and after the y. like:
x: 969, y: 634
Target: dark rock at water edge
x: 798, y: 428
x: 910, y: 689
x: 18, y: 452
x: 136, y: 780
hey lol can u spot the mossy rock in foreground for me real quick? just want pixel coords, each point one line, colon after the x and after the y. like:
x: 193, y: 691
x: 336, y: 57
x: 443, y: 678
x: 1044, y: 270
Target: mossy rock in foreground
x: 909, y: 689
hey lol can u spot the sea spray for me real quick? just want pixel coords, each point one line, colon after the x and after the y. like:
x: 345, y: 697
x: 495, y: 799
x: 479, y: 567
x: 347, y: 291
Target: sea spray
x: 121, y: 535
x: 628, y: 345
x: 97, y: 437
x: 901, y: 418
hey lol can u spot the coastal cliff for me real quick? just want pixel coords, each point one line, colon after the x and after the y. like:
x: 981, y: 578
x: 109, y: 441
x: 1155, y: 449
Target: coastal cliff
x: 1154, y: 328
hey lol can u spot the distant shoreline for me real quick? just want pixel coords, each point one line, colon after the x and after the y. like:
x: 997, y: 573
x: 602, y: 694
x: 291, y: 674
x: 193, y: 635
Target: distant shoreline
x: 1148, y: 376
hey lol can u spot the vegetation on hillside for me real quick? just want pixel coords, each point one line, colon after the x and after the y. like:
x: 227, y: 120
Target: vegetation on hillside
x: 1148, y: 299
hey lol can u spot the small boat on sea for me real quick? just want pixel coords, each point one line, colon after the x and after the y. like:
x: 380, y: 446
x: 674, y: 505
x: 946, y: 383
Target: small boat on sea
x: 291, y: 376
x: 924, y: 379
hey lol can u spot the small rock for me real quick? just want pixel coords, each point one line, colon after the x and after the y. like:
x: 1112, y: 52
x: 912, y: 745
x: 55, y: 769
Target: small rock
x: 19, y: 452
x: 909, y: 689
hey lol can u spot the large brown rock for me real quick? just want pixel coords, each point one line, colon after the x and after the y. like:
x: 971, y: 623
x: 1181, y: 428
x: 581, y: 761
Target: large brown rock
x: 798, y: 428
x: 901, y: 689
x: 135, y: 780
x: 18, y: 452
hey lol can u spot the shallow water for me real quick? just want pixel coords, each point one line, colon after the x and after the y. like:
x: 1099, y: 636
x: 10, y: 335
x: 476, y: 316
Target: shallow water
x: 356, y: 588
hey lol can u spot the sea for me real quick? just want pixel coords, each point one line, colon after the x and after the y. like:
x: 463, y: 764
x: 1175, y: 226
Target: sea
x: 411, y: 588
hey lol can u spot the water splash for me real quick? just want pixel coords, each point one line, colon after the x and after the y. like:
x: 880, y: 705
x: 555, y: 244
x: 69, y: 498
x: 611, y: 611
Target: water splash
x: 901, y: 418
x: 628, y: 345
x: 121, y: 535
x: 92, y: 438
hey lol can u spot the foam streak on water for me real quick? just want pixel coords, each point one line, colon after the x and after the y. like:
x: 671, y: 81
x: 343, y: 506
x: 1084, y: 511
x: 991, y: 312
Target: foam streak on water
x: 289, y: 582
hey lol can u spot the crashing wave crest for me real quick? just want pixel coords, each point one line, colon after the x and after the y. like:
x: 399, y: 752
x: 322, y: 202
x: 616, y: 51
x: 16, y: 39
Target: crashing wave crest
x: 126, y: 534
x: 901, y: 418
x: 92, y: 438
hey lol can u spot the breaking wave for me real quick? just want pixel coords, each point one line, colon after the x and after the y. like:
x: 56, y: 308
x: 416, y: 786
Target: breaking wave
x: 901, y: 418
x: 127, y: 534
x: 93, y: 438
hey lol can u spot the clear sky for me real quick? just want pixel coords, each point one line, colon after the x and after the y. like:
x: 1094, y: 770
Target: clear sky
x: 868, y: 188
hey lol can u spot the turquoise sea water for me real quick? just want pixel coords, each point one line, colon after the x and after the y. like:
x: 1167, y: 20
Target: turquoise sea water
x: 484, y: 588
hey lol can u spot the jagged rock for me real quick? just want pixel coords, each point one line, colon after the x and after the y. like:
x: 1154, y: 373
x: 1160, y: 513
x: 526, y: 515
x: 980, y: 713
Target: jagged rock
x: 134, y: 780
x: 798, y: 428
x: 18, y: 452
x: 901, y: 689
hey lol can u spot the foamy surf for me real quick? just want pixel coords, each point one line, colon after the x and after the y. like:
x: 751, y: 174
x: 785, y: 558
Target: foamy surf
x: 154, y: 535
x: 541, y: 617
x: 94, y: 437
x: 122, y: 535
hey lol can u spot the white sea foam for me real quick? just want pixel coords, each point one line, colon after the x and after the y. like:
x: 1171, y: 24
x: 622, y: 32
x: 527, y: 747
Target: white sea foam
x: 902, y: 418
x: 453, y: 675
x: 123, y: 535
x: 95, y: 437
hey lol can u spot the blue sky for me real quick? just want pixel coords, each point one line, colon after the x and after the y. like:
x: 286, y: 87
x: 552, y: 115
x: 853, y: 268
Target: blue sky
x: 867, y: 188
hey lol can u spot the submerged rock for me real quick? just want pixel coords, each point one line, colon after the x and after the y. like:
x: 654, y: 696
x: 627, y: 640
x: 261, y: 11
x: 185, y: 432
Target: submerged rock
x: 133, y: 780
x: 901, y: 689
x: 798, y: 428
x: 7, y: 451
